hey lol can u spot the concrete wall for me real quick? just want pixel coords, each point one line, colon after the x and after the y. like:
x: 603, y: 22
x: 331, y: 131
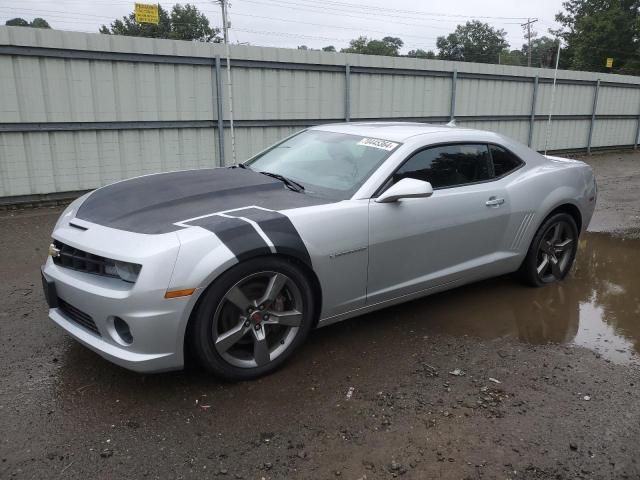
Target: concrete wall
x: 78, y: 111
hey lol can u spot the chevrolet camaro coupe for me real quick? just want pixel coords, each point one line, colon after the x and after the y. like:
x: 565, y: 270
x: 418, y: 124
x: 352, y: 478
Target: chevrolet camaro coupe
x: 237, y: 265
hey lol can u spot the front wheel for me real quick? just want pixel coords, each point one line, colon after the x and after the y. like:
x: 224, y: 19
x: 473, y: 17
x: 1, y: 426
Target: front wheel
x: 552, y: 251
x: 252, y: 318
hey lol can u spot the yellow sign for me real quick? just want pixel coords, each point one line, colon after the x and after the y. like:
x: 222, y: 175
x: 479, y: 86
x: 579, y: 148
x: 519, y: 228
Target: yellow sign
x: 609, y: 62
x: 146, y: 13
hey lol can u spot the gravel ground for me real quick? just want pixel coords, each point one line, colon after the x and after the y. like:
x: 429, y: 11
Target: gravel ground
x: 391, y: 394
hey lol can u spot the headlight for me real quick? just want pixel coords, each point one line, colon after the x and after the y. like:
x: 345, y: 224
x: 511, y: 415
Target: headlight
x: 126, y: 271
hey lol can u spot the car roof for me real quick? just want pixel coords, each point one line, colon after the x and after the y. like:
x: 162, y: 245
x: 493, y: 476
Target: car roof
x: 401, y: 131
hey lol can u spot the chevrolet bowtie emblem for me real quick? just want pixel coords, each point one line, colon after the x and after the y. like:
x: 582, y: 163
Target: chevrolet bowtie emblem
x: 54, y: 251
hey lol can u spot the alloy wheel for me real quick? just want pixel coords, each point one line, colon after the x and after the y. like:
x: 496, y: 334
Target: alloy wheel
x: 257, y: 319
x: 555, y: 252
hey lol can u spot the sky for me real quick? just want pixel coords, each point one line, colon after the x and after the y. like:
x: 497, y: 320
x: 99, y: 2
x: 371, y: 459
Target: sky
x: 290, y: 23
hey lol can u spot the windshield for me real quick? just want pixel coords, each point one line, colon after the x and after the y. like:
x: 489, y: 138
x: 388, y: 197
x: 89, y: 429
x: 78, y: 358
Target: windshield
x: 327, y: 164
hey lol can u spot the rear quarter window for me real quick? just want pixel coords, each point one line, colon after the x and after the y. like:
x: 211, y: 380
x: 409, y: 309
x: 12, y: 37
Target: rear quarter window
x: 504, y: 162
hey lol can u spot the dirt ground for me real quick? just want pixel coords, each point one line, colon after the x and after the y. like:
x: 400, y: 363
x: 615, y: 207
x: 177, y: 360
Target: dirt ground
x: 492, y: 380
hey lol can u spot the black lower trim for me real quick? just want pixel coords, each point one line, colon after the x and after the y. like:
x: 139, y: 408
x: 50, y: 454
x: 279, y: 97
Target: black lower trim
x: 78, y: 316
x: 49, y: 289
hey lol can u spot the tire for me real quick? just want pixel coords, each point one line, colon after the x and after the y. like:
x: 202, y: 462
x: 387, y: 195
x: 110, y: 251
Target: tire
x: 557, y: 241
x: 276, y: 317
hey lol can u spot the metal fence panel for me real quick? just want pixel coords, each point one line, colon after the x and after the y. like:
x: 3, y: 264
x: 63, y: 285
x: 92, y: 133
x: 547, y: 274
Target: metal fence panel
x: 564, y: 134
x: 613, y: 132
x: 376, y: 95
x: 475, y: 96
x: 47, y: 162
x: 618, y: 101
x: 260, y: 94
x: 569, y: 99
x: 78, y: 111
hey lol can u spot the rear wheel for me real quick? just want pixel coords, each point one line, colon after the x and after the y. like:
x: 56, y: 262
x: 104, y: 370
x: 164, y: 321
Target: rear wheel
x: 552, y: 251
x: 253, y: 318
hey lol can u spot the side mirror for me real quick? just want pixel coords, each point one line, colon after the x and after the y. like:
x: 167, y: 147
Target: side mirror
x: 406, y: 188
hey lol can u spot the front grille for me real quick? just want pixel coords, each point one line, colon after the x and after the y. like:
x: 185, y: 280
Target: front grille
x: 80, y: 260
x: 78, y: 316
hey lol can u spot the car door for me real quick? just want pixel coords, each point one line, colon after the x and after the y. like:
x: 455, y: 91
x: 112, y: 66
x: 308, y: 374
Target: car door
x: 420, y: 243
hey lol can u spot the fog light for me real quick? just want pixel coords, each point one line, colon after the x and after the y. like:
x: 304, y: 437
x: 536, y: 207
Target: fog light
x: 122, y: 330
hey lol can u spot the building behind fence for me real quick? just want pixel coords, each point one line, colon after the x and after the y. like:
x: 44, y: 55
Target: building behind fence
x: 78, y: 111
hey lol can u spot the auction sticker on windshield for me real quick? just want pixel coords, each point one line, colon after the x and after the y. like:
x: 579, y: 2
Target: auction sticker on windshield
x: 377, y: 143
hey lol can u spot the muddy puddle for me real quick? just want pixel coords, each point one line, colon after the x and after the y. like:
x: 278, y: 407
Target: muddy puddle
x: 597, y: 306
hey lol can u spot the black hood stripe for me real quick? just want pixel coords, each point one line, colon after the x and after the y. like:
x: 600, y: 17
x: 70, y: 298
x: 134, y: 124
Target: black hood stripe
x: 254, y: 231
x: 237, y: 235
x: 156, y: 203
x: 281, y: 232
x: 219, y: 200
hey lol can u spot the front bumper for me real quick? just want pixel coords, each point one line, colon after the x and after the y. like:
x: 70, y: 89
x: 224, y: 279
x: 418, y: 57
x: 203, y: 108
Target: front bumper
x: 86, y: 305
x: 156, y: 324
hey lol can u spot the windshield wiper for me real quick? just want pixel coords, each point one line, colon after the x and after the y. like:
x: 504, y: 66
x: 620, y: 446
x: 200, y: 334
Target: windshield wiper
x: 291, y: 184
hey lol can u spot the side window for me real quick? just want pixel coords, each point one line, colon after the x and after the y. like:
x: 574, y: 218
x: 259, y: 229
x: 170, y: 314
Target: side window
x: 448, y: 165
x: 503, y: 161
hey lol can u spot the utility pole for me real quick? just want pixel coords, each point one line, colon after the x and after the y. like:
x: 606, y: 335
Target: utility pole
x: 225, y: 30
x: 528, y: 24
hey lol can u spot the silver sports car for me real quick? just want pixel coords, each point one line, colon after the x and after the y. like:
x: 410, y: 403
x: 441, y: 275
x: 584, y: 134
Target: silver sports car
x: 237, y: 265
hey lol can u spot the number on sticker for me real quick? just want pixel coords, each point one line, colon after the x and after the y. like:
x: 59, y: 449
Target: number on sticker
x: 377, y: 143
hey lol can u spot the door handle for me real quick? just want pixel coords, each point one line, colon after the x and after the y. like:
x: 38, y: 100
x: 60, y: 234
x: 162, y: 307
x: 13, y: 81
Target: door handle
x: 494, y: 202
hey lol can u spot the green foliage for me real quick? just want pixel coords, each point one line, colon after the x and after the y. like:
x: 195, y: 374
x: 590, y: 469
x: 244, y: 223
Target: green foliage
x: 21, y: 22
x: 597, y: 29
x: 543, y: 52
x: 188, y: 23
x: 512, y: 57
x: 17, y: 22
x: 419, y: 53
x: 389, y: 46
x: 185, y: 22
x: 329, y: 48
x: 473, y: 42
x: 40, y: 23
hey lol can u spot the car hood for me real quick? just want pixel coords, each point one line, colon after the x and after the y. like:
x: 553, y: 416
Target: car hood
x: 153, y: 204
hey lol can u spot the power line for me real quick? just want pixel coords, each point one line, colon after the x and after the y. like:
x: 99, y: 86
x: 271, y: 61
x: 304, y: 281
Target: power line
x: 339, y: 5
x: 368, y: 8
x: 327, y: 10
x: 351, y: 28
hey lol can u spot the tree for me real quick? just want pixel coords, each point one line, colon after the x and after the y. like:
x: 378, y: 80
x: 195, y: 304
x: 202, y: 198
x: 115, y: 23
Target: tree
x: 17, y: 22
x: 188, y: 23
x: 21, y: 22
x: 473, y: 42
x: 543, y: 52
x: 185, y: 22
x: 329, y: 48
x: 129, y: 27
x: 40, y: 23
x: 419, y: 53
x: 512, y: 57
x: 389, y: 46
x: 597, y: 29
